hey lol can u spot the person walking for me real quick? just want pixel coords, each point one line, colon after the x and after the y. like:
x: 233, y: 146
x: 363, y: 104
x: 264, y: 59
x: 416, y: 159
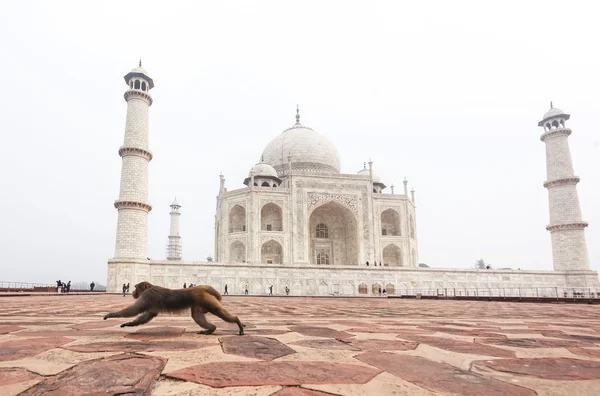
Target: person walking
x: 226, y: 290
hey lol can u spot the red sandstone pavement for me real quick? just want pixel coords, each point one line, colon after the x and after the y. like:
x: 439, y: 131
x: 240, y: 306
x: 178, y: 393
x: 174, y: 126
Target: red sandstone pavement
x: 59, y: 345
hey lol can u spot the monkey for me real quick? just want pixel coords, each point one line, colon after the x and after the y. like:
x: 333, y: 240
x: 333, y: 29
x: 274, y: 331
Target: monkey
x: 152, y: 300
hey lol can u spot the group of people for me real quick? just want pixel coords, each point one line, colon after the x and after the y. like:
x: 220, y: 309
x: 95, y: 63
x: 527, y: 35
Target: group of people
x: 287, y: 290
x: 62, y: 287
x: 226, y: 290
x: 374, y: 264
x: 125, y: 289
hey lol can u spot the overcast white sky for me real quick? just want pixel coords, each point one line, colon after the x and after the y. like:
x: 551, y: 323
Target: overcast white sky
x: 447, y: 94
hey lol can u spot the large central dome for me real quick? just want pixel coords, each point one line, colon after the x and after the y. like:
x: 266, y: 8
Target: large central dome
x: 310, y: 151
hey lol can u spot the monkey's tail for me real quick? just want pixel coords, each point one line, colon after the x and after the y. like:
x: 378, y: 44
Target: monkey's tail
x: 212, y: 291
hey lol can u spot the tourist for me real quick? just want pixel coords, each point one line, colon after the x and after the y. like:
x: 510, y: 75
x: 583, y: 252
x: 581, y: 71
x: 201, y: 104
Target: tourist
x: 127, y: 287
x: 226, y: 290
x: 246, y: 290
x: 92, y: 285
x: 271, y: 290
x: 58, y: 286
x: 124, y: 289
x: 69, y: 287
x: 184, y: 285
x: 287, y: 291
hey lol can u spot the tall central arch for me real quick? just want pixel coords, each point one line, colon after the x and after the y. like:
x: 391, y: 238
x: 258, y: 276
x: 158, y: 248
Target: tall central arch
x: 333, y: 235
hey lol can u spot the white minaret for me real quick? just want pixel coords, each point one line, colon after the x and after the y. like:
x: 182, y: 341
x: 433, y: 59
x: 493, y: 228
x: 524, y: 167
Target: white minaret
x: 569, y: 250
x: 174, y: 244
x: 132, y: 205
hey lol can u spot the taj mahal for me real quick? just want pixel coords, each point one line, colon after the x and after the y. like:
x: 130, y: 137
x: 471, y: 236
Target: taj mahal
x: 299, y: 223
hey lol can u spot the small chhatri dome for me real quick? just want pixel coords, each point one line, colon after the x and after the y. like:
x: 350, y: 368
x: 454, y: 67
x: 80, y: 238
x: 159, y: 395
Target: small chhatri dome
x: 139, y: 72
x: 553, y: 112
x: 311, y: 152
x: 262, y: 170
x: 365, y: 172
x: 176, y: 203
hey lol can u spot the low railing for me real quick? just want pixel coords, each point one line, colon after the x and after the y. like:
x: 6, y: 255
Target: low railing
x: 23, y: 285
x: 7, y: 286
x: 531, y: 292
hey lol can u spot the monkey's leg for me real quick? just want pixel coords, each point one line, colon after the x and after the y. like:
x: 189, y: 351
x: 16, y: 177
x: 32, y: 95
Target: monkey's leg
x: 227, y: 317
x: 135, y: 309
x: 143, y: 318
x: 200, y: 319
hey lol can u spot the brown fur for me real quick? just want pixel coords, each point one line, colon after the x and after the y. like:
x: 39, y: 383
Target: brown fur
x: 151, y: 300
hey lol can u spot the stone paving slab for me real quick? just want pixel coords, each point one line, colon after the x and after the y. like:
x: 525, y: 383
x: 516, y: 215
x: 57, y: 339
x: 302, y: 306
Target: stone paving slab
x: 301, y: 346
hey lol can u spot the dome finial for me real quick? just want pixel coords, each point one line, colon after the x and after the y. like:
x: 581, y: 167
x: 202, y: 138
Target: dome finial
x: 364, y: 165
x: 551, y: 106
x: 262, y: 158
x: 140, y: 63
x: 297, y: 115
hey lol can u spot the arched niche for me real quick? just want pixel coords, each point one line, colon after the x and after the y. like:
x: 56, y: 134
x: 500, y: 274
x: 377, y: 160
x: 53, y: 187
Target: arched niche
x: 363, y: 289
x: 237, y: 219
x: 375, y: 288
x: 237, y: 252
x: 390, y: 223
x: 271, y: 252
x: 392, y: 256
x: 271, y: 218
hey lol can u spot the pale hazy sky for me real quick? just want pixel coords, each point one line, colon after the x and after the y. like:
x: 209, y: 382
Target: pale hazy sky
x: 446, y: 93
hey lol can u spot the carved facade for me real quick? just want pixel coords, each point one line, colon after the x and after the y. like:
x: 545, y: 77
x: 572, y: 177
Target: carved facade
x: 316, y: 219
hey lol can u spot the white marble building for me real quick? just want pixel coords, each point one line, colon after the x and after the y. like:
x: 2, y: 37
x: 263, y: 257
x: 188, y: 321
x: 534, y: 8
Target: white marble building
x: 298, y: 208
x: 301, y: 223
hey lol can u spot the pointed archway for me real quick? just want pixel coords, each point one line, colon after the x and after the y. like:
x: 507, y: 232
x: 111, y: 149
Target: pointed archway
x: 237, y: 252
x: 237, y: 219
x: 392, y: 256
x: 271, y: 218
x: 390, y: 223
x: 333, y: 236
x: 271, y: 252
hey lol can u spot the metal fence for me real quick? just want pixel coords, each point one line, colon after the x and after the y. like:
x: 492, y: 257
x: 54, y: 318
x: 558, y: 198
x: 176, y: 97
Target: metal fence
x: 531, y: 292
x: 26, y: 286
x: 22, y: 285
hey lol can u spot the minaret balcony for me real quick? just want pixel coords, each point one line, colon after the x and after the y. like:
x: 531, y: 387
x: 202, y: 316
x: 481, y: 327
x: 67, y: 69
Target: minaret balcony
x: 579, y: 225
x: 554, y: 133
x: 562, y: 182
x: 136, y: 151
x: 136, y: 93
x: 133, y: 205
